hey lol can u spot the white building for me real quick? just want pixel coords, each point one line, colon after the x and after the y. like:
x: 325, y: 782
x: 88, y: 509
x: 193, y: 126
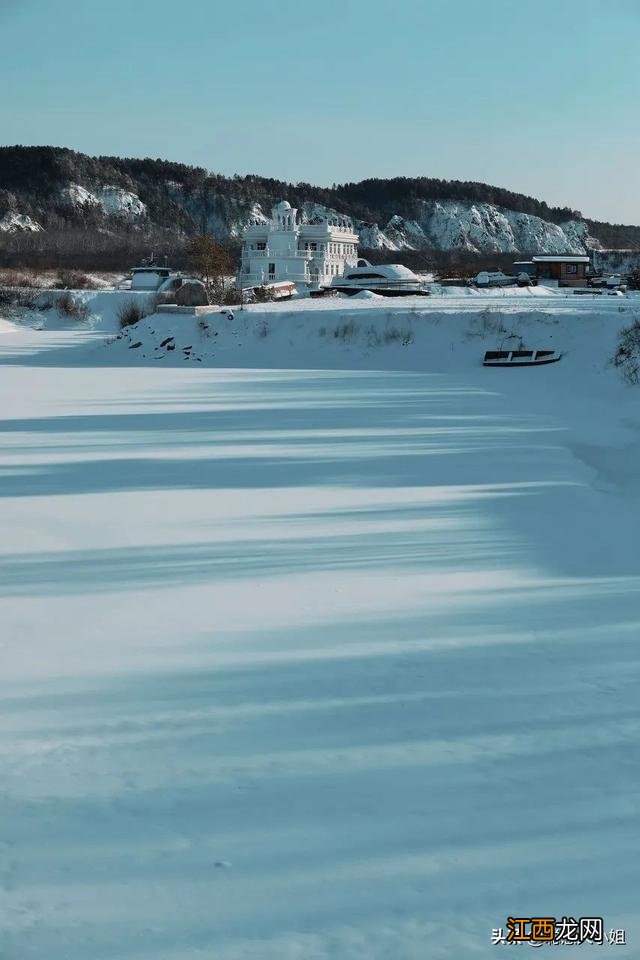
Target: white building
x: 307, y: 253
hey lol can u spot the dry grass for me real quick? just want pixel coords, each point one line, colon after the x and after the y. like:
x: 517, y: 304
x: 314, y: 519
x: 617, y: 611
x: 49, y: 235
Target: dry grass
x: 74, y: 280
x: 627, y: 357
x: 130, y: 313
x: 68, y: 306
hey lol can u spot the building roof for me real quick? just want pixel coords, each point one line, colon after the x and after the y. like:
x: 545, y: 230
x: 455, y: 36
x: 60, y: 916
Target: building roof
x: 560, y: 259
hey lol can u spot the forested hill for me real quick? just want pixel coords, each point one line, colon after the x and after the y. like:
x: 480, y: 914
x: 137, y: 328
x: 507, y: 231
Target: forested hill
x: 48, y: 193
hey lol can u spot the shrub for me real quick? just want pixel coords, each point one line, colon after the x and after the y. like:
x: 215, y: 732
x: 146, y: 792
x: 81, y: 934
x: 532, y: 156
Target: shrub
x: 627, y: 356
x: 13, y: 297
x: 44, y: 302
x: 346, y: 331
x: 13, y: 278
x: 67, y: 306
x: 397, y: 335
x: 230, y: 297
x: 7, y: 297
x: 73, y: 280
x: 129, y: 313
x: 263, y: 294
x: 633, y: 281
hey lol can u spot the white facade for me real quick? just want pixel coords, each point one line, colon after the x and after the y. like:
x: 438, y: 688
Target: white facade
x: 306, y: 253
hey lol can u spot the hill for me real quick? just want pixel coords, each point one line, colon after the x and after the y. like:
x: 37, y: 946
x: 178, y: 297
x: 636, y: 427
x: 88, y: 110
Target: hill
x: 56, y: 203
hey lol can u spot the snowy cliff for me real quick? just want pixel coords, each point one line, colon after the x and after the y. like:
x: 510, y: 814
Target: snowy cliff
x: 480, y: 228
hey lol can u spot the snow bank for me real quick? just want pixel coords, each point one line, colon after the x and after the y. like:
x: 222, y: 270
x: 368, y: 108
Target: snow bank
x: 97, y: 310
x: 438, y: 333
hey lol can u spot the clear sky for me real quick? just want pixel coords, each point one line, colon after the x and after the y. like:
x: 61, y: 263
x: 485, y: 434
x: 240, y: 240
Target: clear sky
x: 541, y: 97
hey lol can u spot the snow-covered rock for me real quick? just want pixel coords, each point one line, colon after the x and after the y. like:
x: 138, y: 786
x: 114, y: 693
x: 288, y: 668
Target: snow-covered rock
x: 76, y: 196
x: 374, y: 238
x: 121, y: 203
x: 19, y: 223
x: 480, y: 228
x: 113, y: 201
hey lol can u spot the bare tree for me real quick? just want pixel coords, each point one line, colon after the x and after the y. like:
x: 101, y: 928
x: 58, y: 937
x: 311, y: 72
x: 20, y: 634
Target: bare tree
x: 211, y: 262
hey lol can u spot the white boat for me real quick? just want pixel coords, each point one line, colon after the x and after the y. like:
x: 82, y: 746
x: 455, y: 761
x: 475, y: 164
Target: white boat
x: 151, y: 277
x: 520, y: 358
x: 387, y: 279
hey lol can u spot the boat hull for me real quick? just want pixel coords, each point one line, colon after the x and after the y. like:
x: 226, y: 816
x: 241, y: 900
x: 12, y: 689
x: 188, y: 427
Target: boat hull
x: 521, y: 363
x: 381, y: 291
x: 520, y: 358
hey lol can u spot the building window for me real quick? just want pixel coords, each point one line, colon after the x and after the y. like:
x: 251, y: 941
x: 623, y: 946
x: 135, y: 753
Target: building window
x: 572, y: 268
x: 261, y: 246
x: 272, y: 268
x: 313, y: 246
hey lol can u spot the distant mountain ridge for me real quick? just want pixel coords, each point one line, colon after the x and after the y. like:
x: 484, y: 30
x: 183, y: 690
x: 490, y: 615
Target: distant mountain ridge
x: 48, y: 192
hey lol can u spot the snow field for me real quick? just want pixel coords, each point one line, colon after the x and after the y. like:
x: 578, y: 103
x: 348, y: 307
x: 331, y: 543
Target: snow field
x: 321, y: 647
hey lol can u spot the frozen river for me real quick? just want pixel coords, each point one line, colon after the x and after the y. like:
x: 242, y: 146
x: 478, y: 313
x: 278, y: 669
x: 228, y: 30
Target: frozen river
x: 307, y: 665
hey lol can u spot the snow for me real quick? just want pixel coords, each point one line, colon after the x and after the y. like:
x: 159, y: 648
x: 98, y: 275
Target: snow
x: 121, y: 203
x: 13, y: 222
x: 113, y: 201
x: 324, y: 647
x: 483, y: 227
x: 78, y: 196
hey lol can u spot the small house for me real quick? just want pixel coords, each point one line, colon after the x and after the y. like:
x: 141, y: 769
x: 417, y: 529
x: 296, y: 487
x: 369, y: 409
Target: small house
x: 567, y: 270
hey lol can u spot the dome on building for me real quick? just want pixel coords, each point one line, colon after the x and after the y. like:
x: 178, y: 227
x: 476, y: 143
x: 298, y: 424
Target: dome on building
x: 283, y: 207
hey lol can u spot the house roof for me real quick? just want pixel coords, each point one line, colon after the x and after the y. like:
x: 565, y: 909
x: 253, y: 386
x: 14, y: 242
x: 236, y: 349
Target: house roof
x: 560, y: 259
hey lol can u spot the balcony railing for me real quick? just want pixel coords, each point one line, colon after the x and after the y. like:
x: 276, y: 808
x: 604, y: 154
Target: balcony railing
x: 305, y: 254
x: 326, y: 230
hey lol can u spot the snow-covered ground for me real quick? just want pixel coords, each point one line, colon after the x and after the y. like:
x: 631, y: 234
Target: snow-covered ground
x: 319, y: 641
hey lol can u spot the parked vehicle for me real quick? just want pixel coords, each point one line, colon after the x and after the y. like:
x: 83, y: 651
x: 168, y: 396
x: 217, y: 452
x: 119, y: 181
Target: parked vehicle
x: 612, y: 282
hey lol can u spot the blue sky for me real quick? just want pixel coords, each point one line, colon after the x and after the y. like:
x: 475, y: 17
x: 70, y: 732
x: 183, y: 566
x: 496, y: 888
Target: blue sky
x: 540, y: 97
